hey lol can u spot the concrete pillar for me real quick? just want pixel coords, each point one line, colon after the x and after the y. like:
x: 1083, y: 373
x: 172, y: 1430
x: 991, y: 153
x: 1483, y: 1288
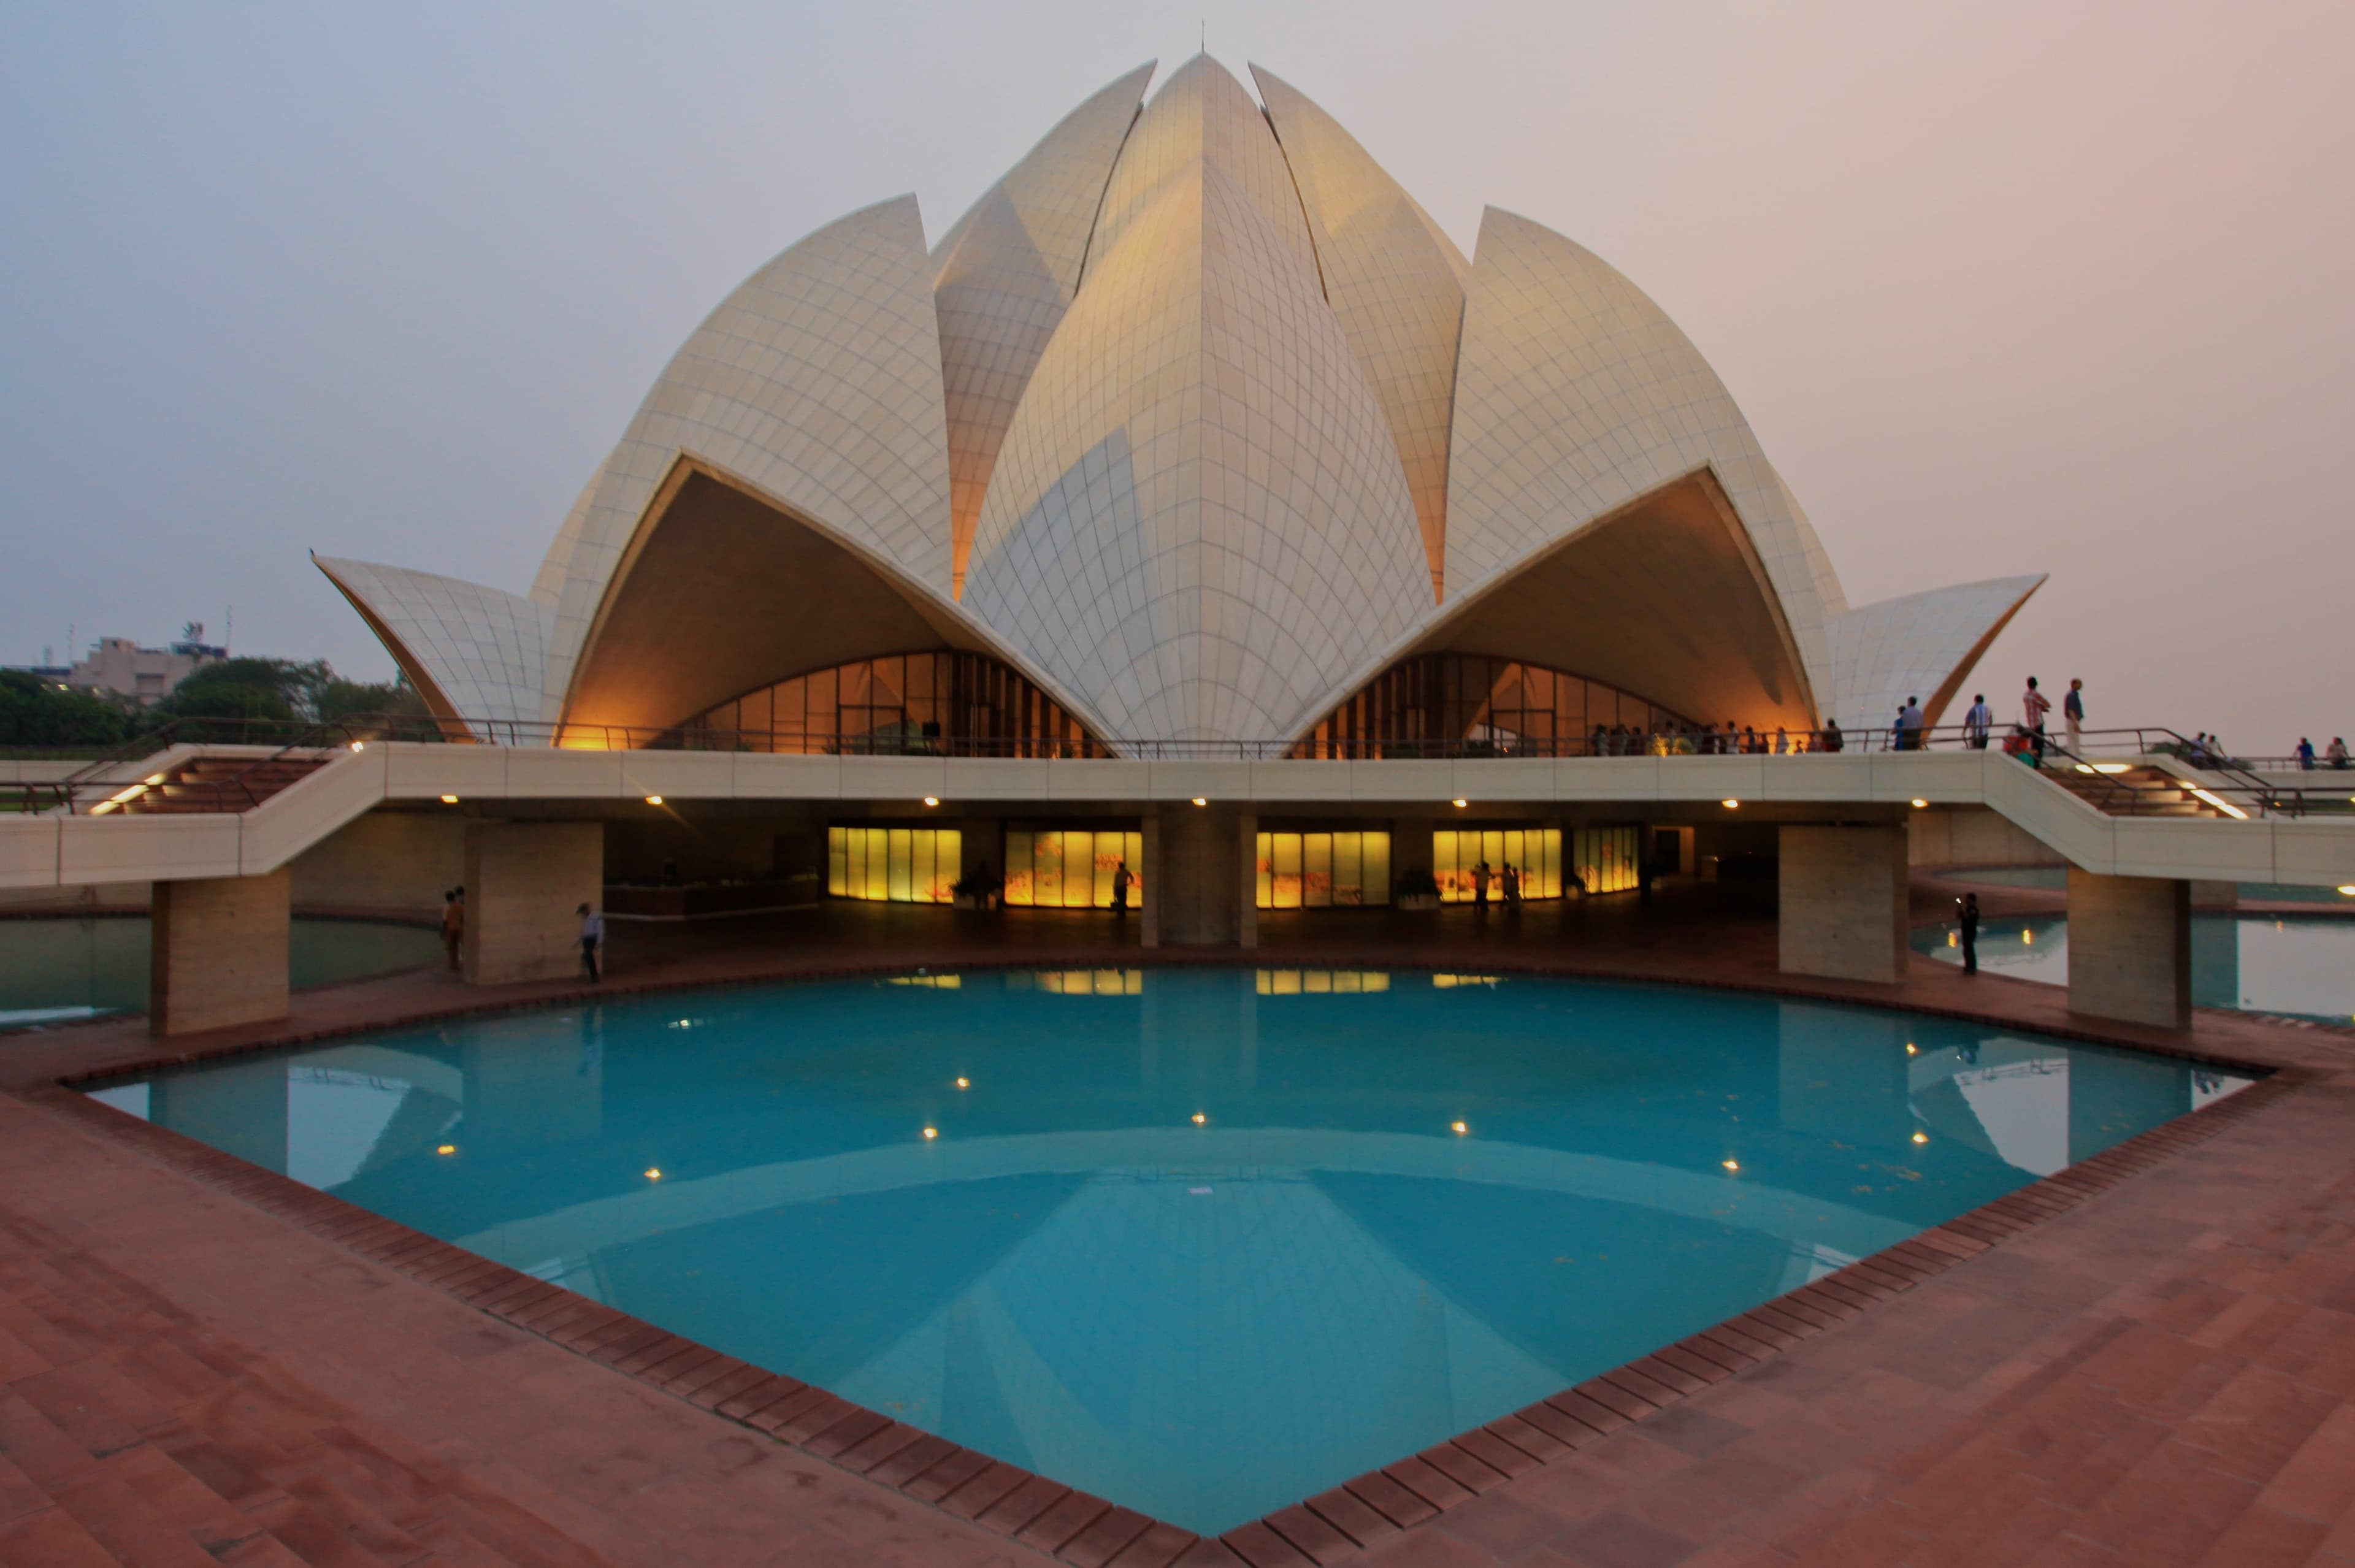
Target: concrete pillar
x: 218, y: 954
x: 239, y: 1107
x: 524, y: 882
x: 1410, y: 847
x: 2130, y: 948
x: 1200, y: 882
x: 1149, y: 895
x: 1842, y: 901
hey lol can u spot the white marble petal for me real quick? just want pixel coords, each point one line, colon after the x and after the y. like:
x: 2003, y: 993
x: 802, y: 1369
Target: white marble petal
x: 1922, y: 644
x: 475, y: 651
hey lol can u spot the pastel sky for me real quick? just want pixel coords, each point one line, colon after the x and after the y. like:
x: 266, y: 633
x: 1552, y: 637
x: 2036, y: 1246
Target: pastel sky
x: 2002, y: 287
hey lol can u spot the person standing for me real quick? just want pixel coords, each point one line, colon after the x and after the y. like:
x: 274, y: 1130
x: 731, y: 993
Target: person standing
x: 1480, y: 883
x: 1121, y: 879
x: 1833, y: 740
x: 1977, y: 722
x: 1968, y: 918
x: 2035, y: 706
x: 2338, y: 752
x: 1512, y: 882
x: 1911, y: 721
x: 2072, y: 715
x: 2305, y: 755
x: 453, y: 925
x: 592, y: 937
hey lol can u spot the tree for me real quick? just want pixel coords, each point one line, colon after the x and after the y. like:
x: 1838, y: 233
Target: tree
x: 36, y: 712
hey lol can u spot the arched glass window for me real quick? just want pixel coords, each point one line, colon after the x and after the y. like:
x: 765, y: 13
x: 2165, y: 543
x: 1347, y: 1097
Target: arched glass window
x: 927, y: 704
x: 1457, y: 705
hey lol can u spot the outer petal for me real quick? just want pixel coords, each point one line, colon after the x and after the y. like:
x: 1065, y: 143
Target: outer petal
x: 1922, y: 644
x: 471, y: 651
x: 1005, y: 275
x: 548, y: 587
x: 1393, y: 281
x: 1574, y: 395
x: 818, y: 382
x: 1203, y: 116
x: 1199, y: 523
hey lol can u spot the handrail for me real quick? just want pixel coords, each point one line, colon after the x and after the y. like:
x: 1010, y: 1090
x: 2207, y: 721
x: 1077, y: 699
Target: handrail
x: 2224, y: 776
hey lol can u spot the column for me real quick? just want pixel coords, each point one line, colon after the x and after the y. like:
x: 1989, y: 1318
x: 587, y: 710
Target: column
x: 2130, y: 948
x: 1841, y: 893
x: 218, y: 954
x: 1200, y: 878
x: 525, y: 883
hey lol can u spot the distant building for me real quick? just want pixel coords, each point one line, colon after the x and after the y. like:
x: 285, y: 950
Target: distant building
x: 119, y: 667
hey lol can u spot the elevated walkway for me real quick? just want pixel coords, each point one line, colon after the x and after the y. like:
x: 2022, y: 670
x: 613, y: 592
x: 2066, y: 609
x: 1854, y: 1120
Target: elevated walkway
x: 201, y: 826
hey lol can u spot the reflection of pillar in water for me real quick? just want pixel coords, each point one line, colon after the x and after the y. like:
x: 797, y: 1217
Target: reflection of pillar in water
x: 2215, y: 960
x: 239, y: 1109
x: 529, y: 1086
x: 1843, y: 1071
x: 1148, y: 1031
x: 1247, y: 1034
x: 2113, y: 1096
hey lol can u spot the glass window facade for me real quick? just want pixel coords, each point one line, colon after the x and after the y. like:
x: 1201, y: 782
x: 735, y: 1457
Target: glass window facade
x: 1606, y: 857
x: 1324, y: 870
x: 1059, y: 868
x: 1473, y: 705
x: 921, y: 704
x: 1534, y: 852
x: 893, y: 865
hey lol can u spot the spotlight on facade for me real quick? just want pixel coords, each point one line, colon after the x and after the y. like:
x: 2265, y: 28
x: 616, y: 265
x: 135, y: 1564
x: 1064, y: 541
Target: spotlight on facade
x: 359, y: 745
x: 653, y: 800
x: 931, y: 800
x: 2348, y: 889
x: 449, y: 800
x: 1200, y: 801
x: 1731, y: 804
x: 1460, y: 803
x: 1919, y: 804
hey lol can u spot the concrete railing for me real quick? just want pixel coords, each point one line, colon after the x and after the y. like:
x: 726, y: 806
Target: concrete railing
x: 67, y: 851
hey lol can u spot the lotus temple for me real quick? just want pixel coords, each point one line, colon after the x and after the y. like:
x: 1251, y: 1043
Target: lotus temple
x: 1177, y: 877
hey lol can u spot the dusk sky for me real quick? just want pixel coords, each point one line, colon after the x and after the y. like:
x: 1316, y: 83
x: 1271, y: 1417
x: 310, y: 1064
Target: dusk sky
x: 2002, y: 287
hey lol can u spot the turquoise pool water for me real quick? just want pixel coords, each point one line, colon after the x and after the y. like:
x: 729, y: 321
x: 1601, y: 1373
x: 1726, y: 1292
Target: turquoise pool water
x: 2056, y: 878
x: 55, y: 971
x: 1200, y: 1242
x: 2300, y: 965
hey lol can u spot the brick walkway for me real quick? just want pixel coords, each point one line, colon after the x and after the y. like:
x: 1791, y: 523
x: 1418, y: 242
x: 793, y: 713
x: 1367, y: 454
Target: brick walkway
x: 2161, y: 1375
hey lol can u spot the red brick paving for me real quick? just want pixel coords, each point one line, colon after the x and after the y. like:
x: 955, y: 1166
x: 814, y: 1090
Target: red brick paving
x: 2148, y: 1359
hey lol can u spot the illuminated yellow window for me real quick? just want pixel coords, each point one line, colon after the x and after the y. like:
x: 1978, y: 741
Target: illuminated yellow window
x: 1606, y: 857
x: 1323, y: 870
x: 1071, y: 868
x: 895, y: 865
x: 1533, y: 853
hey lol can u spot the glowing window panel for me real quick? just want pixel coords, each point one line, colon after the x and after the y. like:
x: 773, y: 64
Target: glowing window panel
x: 1533, y: 853
x: 893, y: 865
x: 1071, y: 868
x: 1322, y: 871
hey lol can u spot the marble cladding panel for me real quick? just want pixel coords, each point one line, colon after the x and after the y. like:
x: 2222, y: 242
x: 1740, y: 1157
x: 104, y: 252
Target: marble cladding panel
x: 486, y: 650
x: 817, y: 383
x: 1880, y: 654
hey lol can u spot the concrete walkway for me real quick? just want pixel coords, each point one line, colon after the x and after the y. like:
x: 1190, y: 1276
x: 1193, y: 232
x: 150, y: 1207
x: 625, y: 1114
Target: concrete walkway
x: 2163, y: 1373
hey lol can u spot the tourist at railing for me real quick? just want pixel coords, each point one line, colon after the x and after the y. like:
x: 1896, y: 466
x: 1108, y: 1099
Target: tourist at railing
x: 2305, y: 755
x: 1977, y: 722
x: 2072, y: 715
x: 2035, y: 705
x: 2338, y: 751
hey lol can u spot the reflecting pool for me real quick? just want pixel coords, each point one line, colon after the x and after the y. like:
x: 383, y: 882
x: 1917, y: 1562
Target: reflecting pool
x: 2298, y: 966
x: 54, y: 971
x: 1202, y: 1242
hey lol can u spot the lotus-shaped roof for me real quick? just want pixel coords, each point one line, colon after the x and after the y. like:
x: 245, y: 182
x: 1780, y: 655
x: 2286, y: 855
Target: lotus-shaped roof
x: 1197, y: 421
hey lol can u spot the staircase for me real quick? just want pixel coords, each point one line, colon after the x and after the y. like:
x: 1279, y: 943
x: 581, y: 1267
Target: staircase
x: 211, y: 784
x: 2133, y: 790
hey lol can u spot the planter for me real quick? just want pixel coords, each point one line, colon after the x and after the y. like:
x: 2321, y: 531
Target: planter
x: 1417, y: 901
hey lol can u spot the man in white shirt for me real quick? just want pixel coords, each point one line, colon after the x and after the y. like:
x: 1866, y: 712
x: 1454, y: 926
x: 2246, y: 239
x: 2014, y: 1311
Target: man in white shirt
x: 1977, y: 722
x: 592, y: 937
x: 1911, y: 722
